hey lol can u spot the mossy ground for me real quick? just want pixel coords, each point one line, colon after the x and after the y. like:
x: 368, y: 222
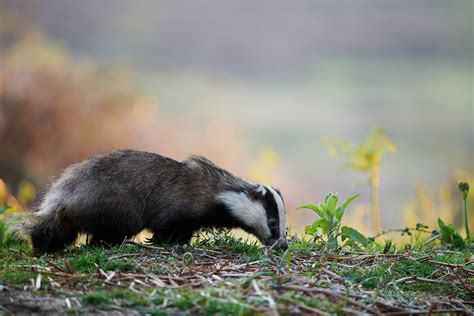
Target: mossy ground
x: 225, y: 275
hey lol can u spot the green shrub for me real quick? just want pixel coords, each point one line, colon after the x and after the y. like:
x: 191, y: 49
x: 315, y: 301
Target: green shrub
x: 328, y: 226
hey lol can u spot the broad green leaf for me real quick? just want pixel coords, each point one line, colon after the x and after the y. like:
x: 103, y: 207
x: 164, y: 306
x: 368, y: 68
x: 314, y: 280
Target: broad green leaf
x: 309, y: 230
x: 331, y: 243
x: 458, y: 242
x: 445, y: 230
x: 331, y: 202
x: 325, y: 211
x: 321, y: 223
x: 441, y: 224
x: 306, y: 206
x: 338, y: 214
x: 341, y: 209
x: 348, y: 201
x: 315, y: 208
x: 449, y: 235
x: 331, y: 223
x: 353, y: 235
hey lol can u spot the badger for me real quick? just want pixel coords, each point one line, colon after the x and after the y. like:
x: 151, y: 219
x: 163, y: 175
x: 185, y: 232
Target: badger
x: 112, y: 197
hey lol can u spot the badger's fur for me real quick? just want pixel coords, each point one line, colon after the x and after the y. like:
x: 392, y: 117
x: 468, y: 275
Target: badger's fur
x: 114, y: 196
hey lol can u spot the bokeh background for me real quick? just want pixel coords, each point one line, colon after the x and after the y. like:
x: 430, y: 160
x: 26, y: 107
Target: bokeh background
x: 256, y: 86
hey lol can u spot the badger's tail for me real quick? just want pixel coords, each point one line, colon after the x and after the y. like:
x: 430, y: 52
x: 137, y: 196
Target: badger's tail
x: 48, y: 231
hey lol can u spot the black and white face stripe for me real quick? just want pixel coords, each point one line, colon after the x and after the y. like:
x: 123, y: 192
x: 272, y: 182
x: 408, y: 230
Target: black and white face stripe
x: 262, y: 209
x: 281, y: 210
x: 274, y: 207
x: 275, y: 214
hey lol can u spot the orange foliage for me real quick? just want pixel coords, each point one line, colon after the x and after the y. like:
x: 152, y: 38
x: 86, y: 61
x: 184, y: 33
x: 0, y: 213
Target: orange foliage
x: 56, y: 110
x: 6, y: 198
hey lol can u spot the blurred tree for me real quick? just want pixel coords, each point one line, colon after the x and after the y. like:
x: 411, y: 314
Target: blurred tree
x: 366, y: 158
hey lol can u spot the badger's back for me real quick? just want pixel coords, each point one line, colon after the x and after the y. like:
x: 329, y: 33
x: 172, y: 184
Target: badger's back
x: 124, y: 176
x: 104, y: 196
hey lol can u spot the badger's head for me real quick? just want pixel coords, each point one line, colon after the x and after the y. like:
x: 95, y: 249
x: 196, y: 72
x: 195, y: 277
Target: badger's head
x: 261, y: 212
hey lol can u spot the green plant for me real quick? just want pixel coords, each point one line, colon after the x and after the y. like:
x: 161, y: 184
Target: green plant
x: 449, y: 235
x: 329, y: 222
x: 464, y: 188
x: 96, y: 298
x: 353, y: 237
x: 366, y: 158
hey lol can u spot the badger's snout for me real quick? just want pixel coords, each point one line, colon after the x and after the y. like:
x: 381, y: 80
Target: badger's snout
x: 279, y: 244
x: 282, y: 245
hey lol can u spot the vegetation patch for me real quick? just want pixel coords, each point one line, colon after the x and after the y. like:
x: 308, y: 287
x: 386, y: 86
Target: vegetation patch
x: 225, y: 275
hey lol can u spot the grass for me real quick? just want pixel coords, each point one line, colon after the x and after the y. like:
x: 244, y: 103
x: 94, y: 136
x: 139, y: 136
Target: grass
x: 209, y: 300
x: 220, y: 274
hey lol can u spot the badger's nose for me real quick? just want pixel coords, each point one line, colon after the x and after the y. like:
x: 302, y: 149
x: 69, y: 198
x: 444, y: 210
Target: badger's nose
x: 282, y: 245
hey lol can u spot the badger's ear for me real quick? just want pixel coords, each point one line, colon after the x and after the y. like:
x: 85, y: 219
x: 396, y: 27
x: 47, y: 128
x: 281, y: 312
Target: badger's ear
x: 257, y: 193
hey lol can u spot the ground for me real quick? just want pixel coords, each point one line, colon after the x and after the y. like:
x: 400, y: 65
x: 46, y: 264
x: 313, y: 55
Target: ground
x: 225, y: 275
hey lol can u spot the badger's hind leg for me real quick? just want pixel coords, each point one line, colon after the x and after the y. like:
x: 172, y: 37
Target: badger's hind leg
x: 49, y: 232
x: 44, y: 241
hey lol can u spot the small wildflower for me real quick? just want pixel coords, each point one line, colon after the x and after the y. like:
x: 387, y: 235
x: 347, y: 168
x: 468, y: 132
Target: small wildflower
x: 464, y: 188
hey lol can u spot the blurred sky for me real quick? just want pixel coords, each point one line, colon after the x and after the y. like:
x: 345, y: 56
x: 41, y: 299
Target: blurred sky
x: 287, y: 73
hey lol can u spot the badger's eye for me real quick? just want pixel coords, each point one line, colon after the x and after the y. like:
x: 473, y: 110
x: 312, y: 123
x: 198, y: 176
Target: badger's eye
x: 272, y: 223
